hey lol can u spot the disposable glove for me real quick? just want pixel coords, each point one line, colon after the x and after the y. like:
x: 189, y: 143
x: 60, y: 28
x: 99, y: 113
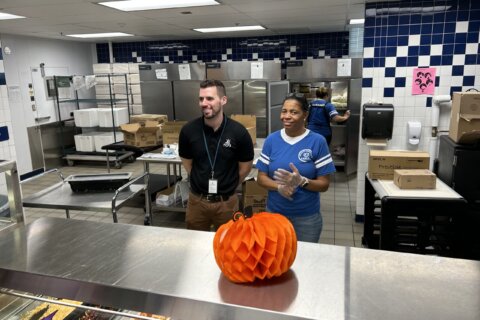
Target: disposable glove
x: 292, y: 179
x: 285, y: 191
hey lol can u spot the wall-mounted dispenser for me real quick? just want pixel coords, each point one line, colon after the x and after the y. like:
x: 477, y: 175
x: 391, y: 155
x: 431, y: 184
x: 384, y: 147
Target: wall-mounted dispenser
x: 377, y: 122
x: 414, y: 131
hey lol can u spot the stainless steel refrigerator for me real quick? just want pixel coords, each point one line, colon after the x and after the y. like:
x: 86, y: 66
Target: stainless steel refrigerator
x: 253, y: 76
x: 345, y: 86
x: 171, y: 89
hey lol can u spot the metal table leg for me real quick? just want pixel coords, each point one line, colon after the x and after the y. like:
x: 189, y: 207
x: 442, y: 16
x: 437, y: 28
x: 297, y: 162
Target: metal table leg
x: 148, y: 220
x: 67, y: 212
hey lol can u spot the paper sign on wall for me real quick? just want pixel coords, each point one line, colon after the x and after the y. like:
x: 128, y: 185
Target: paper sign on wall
x: 184, y: 72
x: 344, y: 67
x: 256, y: 70
x: 161, y: 74
x: 423, y: 81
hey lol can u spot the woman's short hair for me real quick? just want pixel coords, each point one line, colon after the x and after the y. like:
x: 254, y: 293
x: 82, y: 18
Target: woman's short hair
x: 300, y: 98
x: 321, y: 92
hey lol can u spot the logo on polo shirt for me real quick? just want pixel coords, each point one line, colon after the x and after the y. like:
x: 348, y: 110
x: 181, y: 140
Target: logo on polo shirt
x: 227, y: 143
x: 305, y: 155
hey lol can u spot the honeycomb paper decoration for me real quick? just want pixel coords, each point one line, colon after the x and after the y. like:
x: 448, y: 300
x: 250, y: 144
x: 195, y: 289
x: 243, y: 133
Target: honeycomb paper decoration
x: 263, y: 246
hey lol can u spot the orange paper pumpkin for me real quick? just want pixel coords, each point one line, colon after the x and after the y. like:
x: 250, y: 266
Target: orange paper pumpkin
x: 263, y: 246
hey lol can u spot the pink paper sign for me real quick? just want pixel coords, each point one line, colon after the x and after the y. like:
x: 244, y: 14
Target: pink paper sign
x: 423, y: 81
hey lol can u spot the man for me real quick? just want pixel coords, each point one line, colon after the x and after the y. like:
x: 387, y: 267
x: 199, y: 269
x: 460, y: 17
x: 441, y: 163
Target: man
x: 217, y: 153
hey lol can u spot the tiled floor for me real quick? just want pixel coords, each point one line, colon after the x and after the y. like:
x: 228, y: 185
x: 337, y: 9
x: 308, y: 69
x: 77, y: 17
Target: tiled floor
x: 338, y: 205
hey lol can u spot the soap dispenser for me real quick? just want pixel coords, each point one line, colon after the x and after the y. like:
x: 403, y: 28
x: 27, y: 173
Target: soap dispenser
x: 414, y: 130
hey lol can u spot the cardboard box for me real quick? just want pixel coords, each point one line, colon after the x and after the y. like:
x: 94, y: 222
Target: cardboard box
x: 465, y: 117
x: 254, y: 196
x: 142, y: 118
x: 136, y: 135
x: 414, y: 179
x: 382, y: 163
x: 249, y: 121
x: 171, y: 131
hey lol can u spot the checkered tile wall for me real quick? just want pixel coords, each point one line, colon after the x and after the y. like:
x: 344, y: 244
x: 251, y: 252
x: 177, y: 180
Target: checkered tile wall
x: 405, y: 34
x: 288, y: 47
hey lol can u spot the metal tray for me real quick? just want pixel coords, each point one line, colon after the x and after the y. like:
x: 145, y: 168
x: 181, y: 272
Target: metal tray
x: 98, y: 182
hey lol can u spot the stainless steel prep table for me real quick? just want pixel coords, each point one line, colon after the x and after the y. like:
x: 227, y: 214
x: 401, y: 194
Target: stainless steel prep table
x: 408, y: 220
x: 173, y: 272
x: 61, y: 196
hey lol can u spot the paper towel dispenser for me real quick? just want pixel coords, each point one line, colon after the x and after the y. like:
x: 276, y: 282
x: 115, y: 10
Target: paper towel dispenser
x: 377, y: 122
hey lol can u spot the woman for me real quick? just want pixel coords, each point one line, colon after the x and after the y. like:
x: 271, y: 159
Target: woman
x: 294, y: 166
x: 322, y: 112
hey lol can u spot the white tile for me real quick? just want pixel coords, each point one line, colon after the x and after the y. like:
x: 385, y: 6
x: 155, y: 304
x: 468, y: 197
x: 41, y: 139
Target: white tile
x: 472, y: 48
x: 139, y: 59
x: 180, y: 53
x: 477, y: 80
x: 134, y: 54
x: 321, y: 53
x: 368, y: 52
x: 194, y: 57
x: 293, y: 48
x: 458, y: 59
x: 229, y: 50
x: 457, y: 81
x: 401, y: 72
x: 224, y: 57
x: 400, y: 92
x: 166, y: 58
x: 462, y: 26
x: 287, y: 54
x: 254, y: 55
x: 424, y: 61
x: 402, y: 51
x: 389, y: 82
x: 446, y: 71
x: 414, y: 40
x: 436, y: 50
x: 367, y: 72
x: 469, y: 70
x: 390, y: 62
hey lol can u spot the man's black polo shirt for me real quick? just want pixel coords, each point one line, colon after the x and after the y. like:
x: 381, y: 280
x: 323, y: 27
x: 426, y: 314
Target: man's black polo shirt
x: 236, y: 146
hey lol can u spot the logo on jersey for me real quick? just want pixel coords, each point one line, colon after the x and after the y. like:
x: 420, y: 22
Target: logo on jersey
x: 227, y: 143
x: 305, y: 155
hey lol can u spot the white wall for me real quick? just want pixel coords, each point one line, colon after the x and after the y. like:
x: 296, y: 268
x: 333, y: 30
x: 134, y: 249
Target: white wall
x: 25, y: 53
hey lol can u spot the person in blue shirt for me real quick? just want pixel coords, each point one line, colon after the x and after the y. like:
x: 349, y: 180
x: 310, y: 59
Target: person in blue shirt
x: 294, y: 166
x: 322, y: 112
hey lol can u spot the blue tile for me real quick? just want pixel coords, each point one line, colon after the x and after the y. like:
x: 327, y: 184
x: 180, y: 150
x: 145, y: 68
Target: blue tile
x: 392, y: 41
x: 451, y: 16
x: 401, y: 62
x: 435, y: 60
x: 426, y: 28
x: 457, y: 70
x: 389, y: 72
x: 400, y: 82
x: 415, y: 18
x: 402, y: 40
x: 388, y: 92
x: 392, y: 31
x: 437, y: 28
x: 427, y: 18
x: 429, y: 102
x: 437, y: 39
x: 369, y: 22
x: 425, y: 39
x: 379, y: 62
x: 459, y: 48
x: 463, y: 15
x: 391, y: 51
x: 412, y: 61
x: 474, y: 26
x: 393, y: 20
x: 424, y: 50
x: 470, y: 59
x: 367, y: 82
x: 368, y: 42
x: 413, y: 51
x: 414, y: 29
x: 2, y: 79
x: 404, y: 20
x: 450, y: 27
x: 447, y: 49
x: 368, y: 63
x: 469, y: 80
x: 472, y: 37
x: 439, y: 17
x: 449, y: 38
x: 437, y: 81
x: 369, y: 32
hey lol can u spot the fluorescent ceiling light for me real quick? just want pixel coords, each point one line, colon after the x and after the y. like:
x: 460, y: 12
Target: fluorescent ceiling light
x: 357, y: 21
x: 8, y: 16
x: 137, y: 5
x: 229, y: 29
x: 100, y: 35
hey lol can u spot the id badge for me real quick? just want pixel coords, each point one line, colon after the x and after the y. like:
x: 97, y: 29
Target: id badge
x: 212, y: 185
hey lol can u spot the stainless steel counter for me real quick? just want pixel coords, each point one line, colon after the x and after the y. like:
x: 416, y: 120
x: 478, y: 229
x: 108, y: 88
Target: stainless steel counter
x: 173, y: 272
